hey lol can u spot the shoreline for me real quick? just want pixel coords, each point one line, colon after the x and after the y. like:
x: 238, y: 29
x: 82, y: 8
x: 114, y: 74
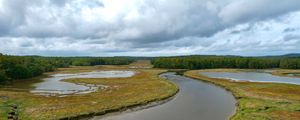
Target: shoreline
x: 124, y: 109
x: 136, y: 107
x: 128, y: 108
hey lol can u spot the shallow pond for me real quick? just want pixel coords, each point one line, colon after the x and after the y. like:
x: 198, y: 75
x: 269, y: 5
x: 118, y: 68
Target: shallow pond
x: 253, y: 77
x: 196, y: 100
x: 55, y: 85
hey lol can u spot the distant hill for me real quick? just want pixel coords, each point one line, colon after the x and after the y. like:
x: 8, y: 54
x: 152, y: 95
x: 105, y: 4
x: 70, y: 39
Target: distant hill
x: 292, y: 55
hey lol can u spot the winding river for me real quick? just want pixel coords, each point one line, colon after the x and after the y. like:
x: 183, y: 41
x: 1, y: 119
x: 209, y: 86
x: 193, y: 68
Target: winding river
x: 196, y: 100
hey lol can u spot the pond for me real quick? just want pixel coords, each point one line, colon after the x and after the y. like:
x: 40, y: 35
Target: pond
x: 195, y: 100
x: 55, y: 86
x: 252, y: 77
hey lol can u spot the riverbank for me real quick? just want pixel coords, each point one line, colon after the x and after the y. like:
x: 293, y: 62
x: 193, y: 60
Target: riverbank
x: 287, y: 73
x: 123, y: 93
x: 263, y: 101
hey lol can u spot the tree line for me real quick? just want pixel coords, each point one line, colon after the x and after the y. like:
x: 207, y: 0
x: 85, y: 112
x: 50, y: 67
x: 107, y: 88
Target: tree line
x: 23, y: 67
x: 209, y: 62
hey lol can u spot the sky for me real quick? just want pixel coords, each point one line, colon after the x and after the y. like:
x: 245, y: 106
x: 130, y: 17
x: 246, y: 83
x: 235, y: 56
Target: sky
x: 149, y: 27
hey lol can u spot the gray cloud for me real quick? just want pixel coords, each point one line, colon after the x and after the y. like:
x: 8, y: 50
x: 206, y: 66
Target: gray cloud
x: 290, y: 37
x: 289, y: 30
x: 59, y: 3
x: 147, y: 26
x: 245, y: 10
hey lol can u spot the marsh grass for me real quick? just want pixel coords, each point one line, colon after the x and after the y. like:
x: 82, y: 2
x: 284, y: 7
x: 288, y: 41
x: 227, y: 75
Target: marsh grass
x: 259, y: 101
x: 281, y: 72
x: 144, y: 87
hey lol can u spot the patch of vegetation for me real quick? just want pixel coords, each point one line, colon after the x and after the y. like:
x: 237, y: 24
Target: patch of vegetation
x: 258, y: 101
x: 287, y: 73
x: 209, y: 62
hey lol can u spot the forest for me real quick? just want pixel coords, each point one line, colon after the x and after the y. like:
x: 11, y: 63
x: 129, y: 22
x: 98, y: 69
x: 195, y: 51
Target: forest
x: 209, y: 62
x: 23, y: 67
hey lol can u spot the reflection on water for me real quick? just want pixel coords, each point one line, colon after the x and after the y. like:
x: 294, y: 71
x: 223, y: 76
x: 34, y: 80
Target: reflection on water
x: 252, y: 76
x: 55, y: 85
x: 196, y: 100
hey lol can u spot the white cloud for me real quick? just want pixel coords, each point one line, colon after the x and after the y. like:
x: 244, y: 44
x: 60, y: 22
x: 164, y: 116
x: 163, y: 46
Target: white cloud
x: 148, y: 27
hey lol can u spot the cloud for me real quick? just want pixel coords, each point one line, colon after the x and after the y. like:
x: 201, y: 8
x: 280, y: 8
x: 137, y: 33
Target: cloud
x: 254, y: 10
x: 289, y: 30
x: 148, y: 27
x: 264, y: 37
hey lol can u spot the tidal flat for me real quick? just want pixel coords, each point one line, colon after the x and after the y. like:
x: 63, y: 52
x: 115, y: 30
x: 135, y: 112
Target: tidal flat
x: 142, y: 88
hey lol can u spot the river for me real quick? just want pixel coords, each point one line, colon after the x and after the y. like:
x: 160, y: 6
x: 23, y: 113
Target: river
x: 196, y: 100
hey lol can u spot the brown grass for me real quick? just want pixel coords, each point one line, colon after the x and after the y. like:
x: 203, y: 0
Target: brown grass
x: 285, y: 72
x: 142, y: 88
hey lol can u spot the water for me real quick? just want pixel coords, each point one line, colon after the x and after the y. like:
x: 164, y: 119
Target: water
x: 293, y: 74
x: 253, y: 77
x: 196, y: 100
x: 54, y: 85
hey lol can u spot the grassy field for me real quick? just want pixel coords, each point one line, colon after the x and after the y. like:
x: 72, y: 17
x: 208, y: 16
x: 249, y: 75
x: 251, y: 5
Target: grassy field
x: 259, y: 101
x: 142, y: 88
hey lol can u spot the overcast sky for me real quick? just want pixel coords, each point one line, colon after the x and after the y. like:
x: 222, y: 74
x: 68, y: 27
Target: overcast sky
x: 149, y: 27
